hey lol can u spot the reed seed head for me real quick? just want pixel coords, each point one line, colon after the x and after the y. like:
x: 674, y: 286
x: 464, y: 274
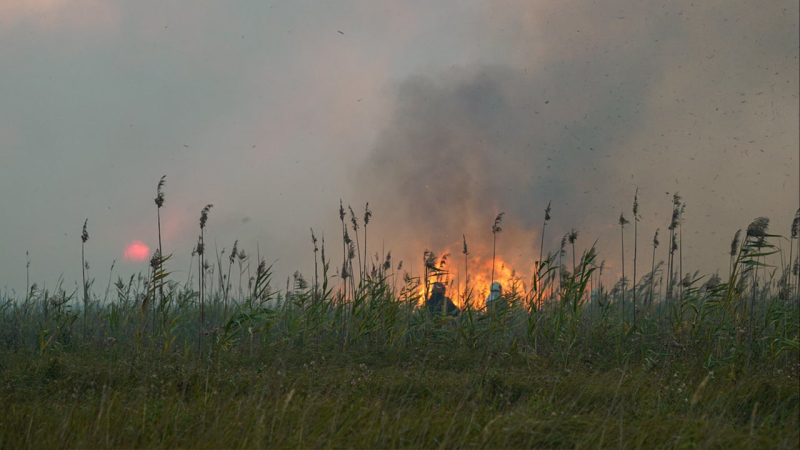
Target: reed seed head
x: 622, y: 220
x: 367, y: 214
x: 655, y: 239
x: 675, y: 218
x: 572, y: 236
x: 465, y: 251
x: 234, y: 251
x: 547, y: 212
x: 796, y: 224
x: 676, y: 200
x: 758, y: 227
x: 353, y: 219
x: 735, y: 242
x: 204, y: 215
x: 85, y: 234
x: 314, y: 241
x: 155, y: 260
x: 496, y: 226
x: 159, y: 193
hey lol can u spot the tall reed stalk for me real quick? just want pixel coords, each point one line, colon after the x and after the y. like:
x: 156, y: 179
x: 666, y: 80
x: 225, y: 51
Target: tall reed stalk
x: 367, y: 216
x: 622, y: 222
x: 316, y: 272
x: 84, y: 238
x: 734, y: 250
x: 544, y: 225
x: 159, y: 201
x: 653, y: 268
x: 795, y: 235
x: 231, y: 259
x: 680, y: 246
x: 354, y: 221
x: 572, y: 237
x: 495, y: 229
x: 465, y: 251
x: 201, y: 252
x: 635, y: 245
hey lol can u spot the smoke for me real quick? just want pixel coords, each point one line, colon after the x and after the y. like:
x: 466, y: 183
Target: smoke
x: 596, y: 110
x: 475, y: 141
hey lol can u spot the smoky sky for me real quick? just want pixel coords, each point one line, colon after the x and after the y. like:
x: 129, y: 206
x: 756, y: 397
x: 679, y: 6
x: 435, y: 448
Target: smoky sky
x: 467, y: 142
x: 440, y: 115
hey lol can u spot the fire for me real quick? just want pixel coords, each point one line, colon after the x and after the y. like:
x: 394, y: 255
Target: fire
x: 479, y: 270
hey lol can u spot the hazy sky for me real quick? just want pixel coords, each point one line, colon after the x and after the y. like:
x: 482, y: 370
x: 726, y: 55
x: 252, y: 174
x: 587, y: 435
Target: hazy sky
x: 439, y: 114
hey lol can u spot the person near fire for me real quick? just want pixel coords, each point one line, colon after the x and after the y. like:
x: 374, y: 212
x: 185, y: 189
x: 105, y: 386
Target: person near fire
x: 439, y: 303
x: 495, y: 300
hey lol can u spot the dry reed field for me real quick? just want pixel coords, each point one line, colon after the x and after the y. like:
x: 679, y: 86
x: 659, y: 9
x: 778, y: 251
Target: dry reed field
x: 353, y: 358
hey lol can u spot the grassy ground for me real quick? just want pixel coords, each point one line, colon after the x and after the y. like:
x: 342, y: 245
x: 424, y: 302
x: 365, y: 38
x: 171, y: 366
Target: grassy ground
x: 356, y: 361
x: 428, y: 396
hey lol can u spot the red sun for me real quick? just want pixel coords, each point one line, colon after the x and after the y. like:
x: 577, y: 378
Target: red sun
x: 137, y: 251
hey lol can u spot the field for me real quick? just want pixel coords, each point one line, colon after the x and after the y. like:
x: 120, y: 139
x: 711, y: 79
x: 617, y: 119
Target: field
x: 355, y: 361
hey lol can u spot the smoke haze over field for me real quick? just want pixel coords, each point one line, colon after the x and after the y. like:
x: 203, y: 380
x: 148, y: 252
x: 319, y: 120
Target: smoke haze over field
x: 438, y: 115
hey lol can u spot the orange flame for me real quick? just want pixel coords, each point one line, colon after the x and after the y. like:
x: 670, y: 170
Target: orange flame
x: 471, y: 283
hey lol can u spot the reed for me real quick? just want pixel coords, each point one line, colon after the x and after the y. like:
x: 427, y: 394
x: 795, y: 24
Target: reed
x: 159, y: 201
x: 544, y: 225
x: 635, y: 246
x: 622, y: 222
x: 85, y: 289
x: 367, y: 216
x: 465, y: 252
x: 495, y: 229
x: 794, y: 234
x: 202, y: 269
x: 653, y: 268
x: 572, y: 236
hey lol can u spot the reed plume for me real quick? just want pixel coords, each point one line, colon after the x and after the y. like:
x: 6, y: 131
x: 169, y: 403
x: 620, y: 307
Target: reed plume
x: 734, y: 249
x: 495, y: 229
x: 756, y: 238
x: 572, y: 236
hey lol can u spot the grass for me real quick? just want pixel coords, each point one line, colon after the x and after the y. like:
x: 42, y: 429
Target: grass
x: 427, y: 396
x: 355, y: 362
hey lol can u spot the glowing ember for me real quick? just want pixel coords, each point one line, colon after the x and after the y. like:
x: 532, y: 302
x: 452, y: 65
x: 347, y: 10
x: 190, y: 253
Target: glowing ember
x: 137, y: 251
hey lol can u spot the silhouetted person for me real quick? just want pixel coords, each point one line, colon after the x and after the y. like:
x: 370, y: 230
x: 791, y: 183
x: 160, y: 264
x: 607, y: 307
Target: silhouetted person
x: 438, y: 303
x: 495, y: 300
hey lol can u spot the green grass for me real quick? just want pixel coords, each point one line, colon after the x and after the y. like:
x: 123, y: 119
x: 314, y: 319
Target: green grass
x: 430, y: 396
